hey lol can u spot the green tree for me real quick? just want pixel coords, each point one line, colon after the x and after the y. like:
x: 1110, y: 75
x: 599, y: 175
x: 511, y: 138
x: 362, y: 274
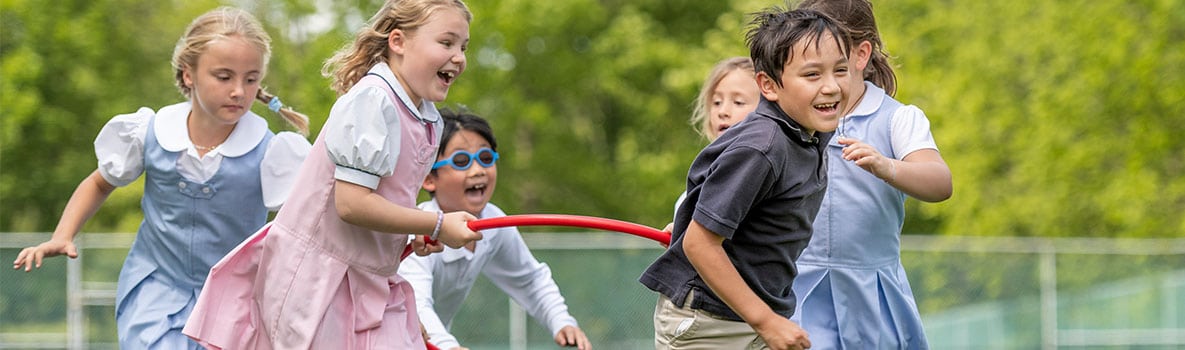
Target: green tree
x: 1058, y: 119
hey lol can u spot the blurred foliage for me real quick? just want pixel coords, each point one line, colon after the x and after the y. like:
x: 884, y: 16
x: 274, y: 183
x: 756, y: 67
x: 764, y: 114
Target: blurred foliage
x: 1057, y: 118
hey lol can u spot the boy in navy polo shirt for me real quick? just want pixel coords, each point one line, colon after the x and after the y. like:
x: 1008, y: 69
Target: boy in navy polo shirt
x: 752, y: 195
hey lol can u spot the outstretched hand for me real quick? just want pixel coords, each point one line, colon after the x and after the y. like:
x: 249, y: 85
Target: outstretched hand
x: 669, y: 230
x: 572, y: 336
x: 31, y: 257
x: 454, y: 230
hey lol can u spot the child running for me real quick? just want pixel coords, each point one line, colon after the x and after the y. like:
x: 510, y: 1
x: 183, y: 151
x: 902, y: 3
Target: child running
x: 852, y: 289
x: 725, y: 281
x: 323, y: 274
x: 212, y: 171
x: 463, y: 179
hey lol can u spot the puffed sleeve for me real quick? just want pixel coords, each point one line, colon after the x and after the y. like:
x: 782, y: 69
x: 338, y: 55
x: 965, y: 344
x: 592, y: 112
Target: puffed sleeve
x: 281, y: 164
x: 120, y: 147
x: 911, y: 131
x: 362, y: 136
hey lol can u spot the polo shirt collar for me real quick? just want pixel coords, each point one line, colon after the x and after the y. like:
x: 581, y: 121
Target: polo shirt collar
x: 791, y: 128
x: 173, y: 134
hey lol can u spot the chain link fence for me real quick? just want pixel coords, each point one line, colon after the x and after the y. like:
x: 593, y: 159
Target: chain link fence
x: 973, y: 292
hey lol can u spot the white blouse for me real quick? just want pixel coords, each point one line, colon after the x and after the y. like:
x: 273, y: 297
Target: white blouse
x: 120, y: 150
x: 443, y: 280
x: 363, y: 132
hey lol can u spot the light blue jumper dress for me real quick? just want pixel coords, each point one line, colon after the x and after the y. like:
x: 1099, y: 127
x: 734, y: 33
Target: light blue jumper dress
x: 851, y: 287
x: 187, y: 228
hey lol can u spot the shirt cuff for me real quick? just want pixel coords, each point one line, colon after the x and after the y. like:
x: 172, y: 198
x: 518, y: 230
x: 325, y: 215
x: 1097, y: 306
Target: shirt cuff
x: 357, y: 177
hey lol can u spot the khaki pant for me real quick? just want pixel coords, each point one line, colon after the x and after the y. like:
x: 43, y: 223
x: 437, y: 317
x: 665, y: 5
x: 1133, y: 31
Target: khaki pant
x: 684, y: 328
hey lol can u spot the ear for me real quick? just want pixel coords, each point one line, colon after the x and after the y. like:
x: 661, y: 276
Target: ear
x: 186, y: 77
x: 396, y: 40
x: 769, y: 87
x: 863, y: 55
x: 430, y: 183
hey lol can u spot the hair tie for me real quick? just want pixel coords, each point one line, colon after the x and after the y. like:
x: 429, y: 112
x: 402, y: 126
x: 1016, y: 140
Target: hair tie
x: 275, y: 104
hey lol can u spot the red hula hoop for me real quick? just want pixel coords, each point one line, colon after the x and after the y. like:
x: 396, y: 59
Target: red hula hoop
x: 572, y: 221
x: 565, y: 220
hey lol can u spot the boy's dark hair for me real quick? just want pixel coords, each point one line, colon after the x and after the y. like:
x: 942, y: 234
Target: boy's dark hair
x: 858, y: 17
x: 460, y: 118
x: 775, y: 31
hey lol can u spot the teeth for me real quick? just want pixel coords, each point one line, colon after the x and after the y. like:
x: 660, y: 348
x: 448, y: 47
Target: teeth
x: 449, y: 75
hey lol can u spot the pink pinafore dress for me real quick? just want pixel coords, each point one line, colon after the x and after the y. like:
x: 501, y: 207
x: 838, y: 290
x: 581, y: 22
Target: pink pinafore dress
x: 309, y: 280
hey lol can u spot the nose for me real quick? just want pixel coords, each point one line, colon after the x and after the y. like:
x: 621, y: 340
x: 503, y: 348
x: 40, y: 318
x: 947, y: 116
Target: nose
x: 476, y: 169
x: 831, y: 85
x: 460, y: 59
x: 238, y: 91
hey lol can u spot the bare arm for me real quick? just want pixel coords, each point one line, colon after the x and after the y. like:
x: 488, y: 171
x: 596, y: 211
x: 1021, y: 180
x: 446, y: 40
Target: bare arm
x: 359, y: 205
x: 705, y: 250
x: 922, y: 174
x: 86, y: 200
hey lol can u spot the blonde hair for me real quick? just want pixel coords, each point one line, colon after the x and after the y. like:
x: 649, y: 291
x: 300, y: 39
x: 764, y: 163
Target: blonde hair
x: 221, y: 23
x: 699, y: 116
x: 369, y: 47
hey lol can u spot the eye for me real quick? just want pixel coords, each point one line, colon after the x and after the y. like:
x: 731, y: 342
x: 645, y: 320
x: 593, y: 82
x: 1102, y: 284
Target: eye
x: 461, y: 159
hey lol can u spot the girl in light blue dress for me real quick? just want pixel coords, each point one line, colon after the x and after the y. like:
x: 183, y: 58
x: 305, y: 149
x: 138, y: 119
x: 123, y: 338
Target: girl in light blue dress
x: 851, y: 289
x: 212, y: 172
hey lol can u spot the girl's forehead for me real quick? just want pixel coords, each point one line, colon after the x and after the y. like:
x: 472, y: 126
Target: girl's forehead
x: 232, y: 53
x: 447, y: 21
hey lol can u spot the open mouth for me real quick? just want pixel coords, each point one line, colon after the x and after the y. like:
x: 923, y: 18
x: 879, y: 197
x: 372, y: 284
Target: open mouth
x: 827, y: 107
x: 722, y: 128
x: 476, y: 191
x: 447, y: 75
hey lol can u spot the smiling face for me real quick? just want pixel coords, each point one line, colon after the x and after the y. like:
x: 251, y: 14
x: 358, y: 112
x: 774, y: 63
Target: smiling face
x: 428, y: 60
x: 470, y: 189
x: 814, y: 83
x: 734, y: 97
x: 225, y: 80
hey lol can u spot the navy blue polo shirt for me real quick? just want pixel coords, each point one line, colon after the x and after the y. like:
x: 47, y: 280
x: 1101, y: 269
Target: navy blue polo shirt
x: 759, y: 186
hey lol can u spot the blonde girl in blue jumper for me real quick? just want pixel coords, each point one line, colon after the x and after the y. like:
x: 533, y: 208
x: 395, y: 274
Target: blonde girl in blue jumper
x: 212, y: 171
x: 852, y: 289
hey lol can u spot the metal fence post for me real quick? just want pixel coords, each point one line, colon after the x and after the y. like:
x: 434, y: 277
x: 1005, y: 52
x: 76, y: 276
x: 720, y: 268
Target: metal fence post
x: 1048, y: 275
x: 75, y: 327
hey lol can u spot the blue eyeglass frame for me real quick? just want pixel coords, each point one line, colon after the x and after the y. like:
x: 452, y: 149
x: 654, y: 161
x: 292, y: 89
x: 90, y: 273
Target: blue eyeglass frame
x: 473, y: 158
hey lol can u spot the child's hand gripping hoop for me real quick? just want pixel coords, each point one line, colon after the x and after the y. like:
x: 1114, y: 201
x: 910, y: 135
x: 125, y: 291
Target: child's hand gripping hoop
x: 564, y: 220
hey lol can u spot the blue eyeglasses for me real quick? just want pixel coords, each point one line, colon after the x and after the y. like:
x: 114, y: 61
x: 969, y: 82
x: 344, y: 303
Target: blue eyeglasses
x: 461, y: 160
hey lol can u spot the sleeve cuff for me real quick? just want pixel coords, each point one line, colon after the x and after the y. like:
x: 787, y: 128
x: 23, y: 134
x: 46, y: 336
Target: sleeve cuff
x: 357, y: 177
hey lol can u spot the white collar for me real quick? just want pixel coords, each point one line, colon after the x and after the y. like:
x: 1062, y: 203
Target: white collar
x: 871, y: 101
x: 426, y: 112
x: 173, y: 135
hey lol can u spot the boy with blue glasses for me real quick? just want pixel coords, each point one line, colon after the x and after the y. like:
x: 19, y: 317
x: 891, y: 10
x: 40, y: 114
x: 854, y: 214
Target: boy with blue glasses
x: 463, y: 179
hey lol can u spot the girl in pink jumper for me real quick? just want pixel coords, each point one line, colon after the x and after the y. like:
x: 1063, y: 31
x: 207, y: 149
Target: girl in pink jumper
x: 322, y: 275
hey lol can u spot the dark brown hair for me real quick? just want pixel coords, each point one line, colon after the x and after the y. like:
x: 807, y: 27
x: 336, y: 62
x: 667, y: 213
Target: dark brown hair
x: 857, y: 16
